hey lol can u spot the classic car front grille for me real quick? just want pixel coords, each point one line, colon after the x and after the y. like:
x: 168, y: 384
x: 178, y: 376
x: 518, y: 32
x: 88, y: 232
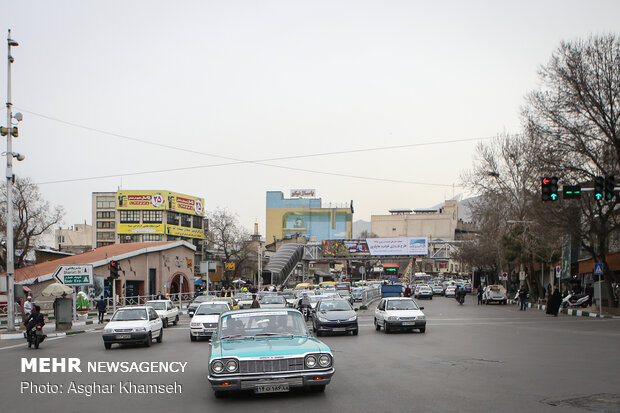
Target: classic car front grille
x: 271, y: 366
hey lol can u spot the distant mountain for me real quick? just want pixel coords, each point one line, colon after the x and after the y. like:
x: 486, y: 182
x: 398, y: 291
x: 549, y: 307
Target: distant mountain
x: 360, y: 226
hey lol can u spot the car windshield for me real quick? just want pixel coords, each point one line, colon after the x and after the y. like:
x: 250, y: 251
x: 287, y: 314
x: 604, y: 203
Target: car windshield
x: 273, y: 300
x: 130, y: 314
x: 210, y: 309
x: 401, y: 305
x: 157, y: 305
x: 202, y: 299
x: 314, y: 298
x: 334, y: 305
x: 262, y: 324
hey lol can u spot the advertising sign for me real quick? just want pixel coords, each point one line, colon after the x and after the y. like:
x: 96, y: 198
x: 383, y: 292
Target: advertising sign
x: 178, y: 231
x: 160, y: 200
x: 140, y: 229
x: 397, y: 246
x: 345, y: 247
x: 302, y: 193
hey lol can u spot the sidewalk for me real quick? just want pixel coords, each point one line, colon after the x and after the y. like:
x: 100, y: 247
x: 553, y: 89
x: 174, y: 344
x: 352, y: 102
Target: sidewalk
x: 80, y: 326
x: 569, y: 311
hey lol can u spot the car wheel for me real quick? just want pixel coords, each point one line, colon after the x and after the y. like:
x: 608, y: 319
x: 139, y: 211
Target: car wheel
x: 176, y: 320
x: 149, y: 340
x: 192, y: 337
x: 107, y: 345
x: 423, y: 330
x: 317, y: 389
x: 387, y: 329
x: 377, y: 326
x: 160, y: 337
x: 318, y: 333
x: 165, y: 321
x: 355, y: 332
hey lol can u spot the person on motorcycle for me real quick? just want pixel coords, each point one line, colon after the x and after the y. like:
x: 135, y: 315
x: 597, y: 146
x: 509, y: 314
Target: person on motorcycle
x: 35, y: 319
x: 304, y: 305
x: 460, y: 293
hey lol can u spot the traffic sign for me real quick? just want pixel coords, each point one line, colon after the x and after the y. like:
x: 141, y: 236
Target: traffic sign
x: 74, y: 274
x: 598, y: 268
x: 558, y: 271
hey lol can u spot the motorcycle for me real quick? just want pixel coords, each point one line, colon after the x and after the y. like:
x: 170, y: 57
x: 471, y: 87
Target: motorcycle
x: 35, y: 336
x: 572, y: 300
x: 460, y: 298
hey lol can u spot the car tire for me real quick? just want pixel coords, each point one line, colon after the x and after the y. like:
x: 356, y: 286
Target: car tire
x: 219, y: 394
x: 165, y: 322
x: 192, y: 337
x: 149, y: 340
x: 176, y: 320
x: 431, y: 298
x: 107, y: 345
x: 317, y: 389
x: 423, y: 330
x: 377, y: 326
x: 355, y: 332
x: 160, y: 337
x: 387, y: 329
x: 318, y: 333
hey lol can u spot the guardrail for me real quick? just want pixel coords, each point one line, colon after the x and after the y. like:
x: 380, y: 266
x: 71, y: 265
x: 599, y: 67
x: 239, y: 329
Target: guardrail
x: 370, y: 295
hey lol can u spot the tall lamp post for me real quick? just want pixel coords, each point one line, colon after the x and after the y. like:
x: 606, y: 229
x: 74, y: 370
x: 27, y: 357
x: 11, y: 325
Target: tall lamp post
x: 10, y: 131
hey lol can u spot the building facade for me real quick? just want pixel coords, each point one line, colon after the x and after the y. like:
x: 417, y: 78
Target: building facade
x: 75, y: 239
x: 440, y: 224
x: 306, y: 217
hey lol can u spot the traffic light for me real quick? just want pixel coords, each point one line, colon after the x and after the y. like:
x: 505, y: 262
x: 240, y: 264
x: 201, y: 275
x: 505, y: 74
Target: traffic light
x: 610, y: 185
x: 571, y: 191
x: 599, y: 187
x: 549, y: 189
x: 114, y: 267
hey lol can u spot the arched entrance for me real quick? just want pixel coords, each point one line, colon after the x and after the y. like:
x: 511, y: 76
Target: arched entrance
x: 176, y: 285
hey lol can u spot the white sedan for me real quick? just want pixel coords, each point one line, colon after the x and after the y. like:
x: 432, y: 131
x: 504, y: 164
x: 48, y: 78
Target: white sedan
x: 399, y: 313
x: 205, y: 319
x: 133, y: 325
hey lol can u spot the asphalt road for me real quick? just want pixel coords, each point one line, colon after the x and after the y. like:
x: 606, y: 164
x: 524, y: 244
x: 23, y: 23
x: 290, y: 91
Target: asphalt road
x: 471, y: 359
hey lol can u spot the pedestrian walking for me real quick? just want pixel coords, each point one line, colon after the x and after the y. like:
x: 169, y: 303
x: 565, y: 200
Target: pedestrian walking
x: 102, y: 306
x: 553, y: 306
x: 28, y: 306
x: 523, y: 293
x: 480, y: 292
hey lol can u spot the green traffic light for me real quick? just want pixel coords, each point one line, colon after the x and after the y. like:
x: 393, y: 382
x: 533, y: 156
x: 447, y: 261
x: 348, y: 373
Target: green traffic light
x: 598, y: 196
x: 553, y: 196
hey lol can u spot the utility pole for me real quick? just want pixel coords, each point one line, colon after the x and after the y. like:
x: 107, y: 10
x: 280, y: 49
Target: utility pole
x: 10, y: 132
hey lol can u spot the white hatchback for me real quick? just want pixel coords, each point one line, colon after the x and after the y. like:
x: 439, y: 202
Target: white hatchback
x: 399, y: 313
x: 133, y: 325
x: 205, y: 319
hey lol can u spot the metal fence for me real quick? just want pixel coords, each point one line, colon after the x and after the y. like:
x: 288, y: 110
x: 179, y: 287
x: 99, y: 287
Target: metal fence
x: 369, y: 295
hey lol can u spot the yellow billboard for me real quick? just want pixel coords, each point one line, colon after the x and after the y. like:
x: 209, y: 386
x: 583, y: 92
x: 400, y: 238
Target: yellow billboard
x: 160, y: 200
x: 141, y: 229
x: 178, y: 231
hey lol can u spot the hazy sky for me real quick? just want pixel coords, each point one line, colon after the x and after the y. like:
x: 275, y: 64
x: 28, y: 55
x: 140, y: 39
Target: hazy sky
x: 212, y: 82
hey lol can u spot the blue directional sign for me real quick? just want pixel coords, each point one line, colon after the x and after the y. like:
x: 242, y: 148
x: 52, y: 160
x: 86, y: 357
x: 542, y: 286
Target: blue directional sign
x: 598, y: 268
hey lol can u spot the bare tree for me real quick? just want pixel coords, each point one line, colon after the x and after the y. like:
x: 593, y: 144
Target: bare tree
x: 32, y: 219
x: 574, y: 121
x: 228, y: 237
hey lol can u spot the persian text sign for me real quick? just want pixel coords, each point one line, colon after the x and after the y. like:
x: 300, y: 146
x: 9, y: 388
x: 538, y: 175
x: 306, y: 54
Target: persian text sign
x: 185, y: 232
x: 186, y: 204
x: 302, y: 193
x: 140, y: 228
x: 398, y: 246
x: 141, y: 199
x: 74, y: 274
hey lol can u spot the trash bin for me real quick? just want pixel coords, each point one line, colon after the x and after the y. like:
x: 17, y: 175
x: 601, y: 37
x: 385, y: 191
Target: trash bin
x: 63, y: 312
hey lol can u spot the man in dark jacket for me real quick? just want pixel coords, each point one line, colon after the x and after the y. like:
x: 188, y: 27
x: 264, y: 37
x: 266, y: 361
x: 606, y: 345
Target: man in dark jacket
x: 255, y: 303
x: 102, y: 306
x: 523, y: 293
x: 480, y: 292
x: 36, y: 318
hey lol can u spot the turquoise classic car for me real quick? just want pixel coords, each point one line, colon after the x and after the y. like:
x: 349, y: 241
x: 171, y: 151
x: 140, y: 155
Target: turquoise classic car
x: 267, y: 351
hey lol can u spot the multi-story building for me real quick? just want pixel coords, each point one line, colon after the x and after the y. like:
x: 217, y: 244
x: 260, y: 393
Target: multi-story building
x: 304, y: 215
x: 147, y: 216
x: 76, y: 240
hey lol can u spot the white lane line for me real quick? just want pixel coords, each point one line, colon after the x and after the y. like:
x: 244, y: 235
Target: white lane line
x: 25, y: 345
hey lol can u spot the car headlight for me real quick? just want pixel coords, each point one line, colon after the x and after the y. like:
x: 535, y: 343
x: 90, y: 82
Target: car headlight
x: 352, y: 318
x: 310, y: 362
x: 195, y: 324
x: 232, y: 366
x: 139, y: 329
x: 322, y: 319
x: 325, y: 360
x: 392, y: 318
x: 420, y: 317
x: 108, y: 330
x: 217, y: 366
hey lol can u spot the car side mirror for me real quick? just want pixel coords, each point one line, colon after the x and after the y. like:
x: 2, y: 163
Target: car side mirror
x: 355, y: 309
x: 421, y: 308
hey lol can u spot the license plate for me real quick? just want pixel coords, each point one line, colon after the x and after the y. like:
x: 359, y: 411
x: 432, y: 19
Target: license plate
x: 408, y: 323
x: 123, y: 336
x: 271, y: 388
x: 339, y: 329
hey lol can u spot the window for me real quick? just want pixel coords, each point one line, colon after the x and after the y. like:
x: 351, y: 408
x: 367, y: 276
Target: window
x: 151, y: 237
x: 105, y: 235
x: 186, y: 220
x: 197, y: 222
x: 130, y: 216
x: 173, y: 238
x: 106, y: 202
x: 129, y: 238
x: 103, y: 244
x: 173, y: 218
x: 61, y: 238
x: 105, y: 214
x: 151, y: 216
x: 105, y: 224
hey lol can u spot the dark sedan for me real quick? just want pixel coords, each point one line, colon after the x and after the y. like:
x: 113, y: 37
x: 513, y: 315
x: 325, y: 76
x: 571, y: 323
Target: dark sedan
x: 334, y: 316
x: 191, y: 308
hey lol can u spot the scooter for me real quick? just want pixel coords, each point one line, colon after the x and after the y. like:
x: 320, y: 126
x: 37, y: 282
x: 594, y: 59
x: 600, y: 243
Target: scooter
x: 35, y: 336
x: 572, y: 300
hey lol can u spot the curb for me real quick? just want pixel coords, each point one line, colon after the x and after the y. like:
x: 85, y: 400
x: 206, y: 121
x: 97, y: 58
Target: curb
x: 567, y: 311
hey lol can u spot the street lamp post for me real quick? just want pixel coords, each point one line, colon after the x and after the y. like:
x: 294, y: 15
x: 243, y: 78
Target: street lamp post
x: 10, y: 132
